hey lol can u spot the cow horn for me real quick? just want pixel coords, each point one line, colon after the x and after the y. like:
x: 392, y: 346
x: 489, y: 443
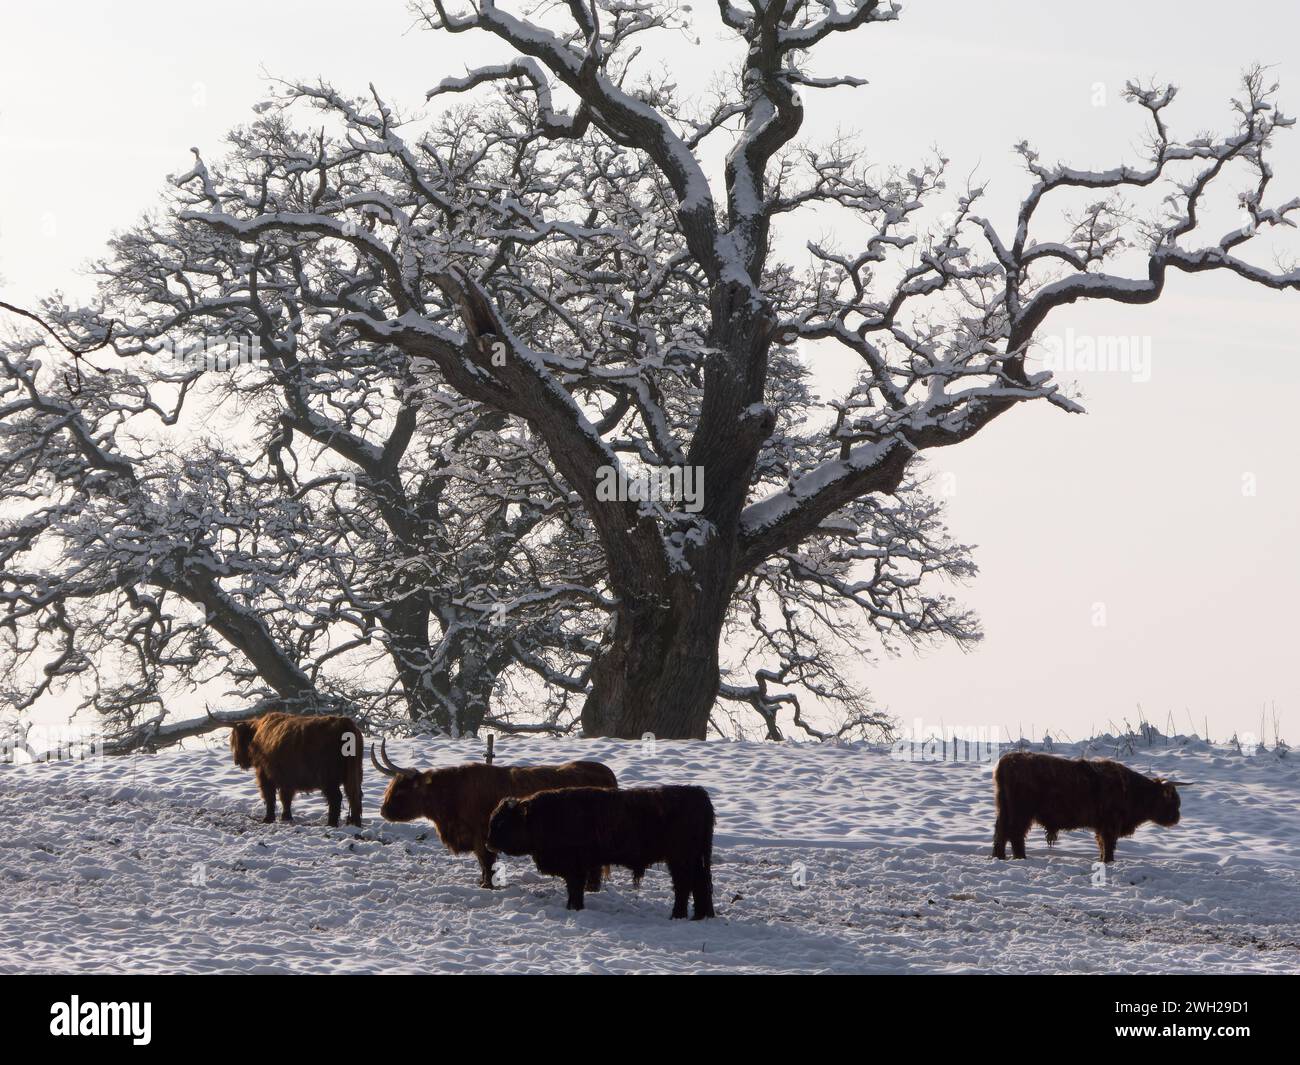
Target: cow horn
x: 1182, y: 783
x: 389, y: 769
x: 375, y: 762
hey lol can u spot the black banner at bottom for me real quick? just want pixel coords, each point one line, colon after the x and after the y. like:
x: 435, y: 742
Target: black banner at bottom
x: 140, y: 1014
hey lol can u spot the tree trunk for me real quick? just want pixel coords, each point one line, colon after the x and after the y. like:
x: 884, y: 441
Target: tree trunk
x: 456, y: 698
x: 659, y: 673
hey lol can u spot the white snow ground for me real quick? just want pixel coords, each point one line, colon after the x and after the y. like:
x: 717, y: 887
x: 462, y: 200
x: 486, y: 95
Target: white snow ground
x: 159, y: 863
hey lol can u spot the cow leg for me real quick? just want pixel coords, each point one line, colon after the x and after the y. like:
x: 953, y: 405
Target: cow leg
x: 702, y: 889
x: 485, y: 861
x: 681, y: 874
x: 574, y: 882
x: 1016, y: 832
x: 1000, y: 838
x: 638, y: 872
x: 354, y: 803
x: 1106, y: 845
x: 267, y: 787
x: 334, y: 800
x: 593, y: 878
x: 286, y: 802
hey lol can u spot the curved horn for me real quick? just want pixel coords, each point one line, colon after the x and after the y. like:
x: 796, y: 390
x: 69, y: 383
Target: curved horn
x: 375, y: 762
x: 389, y: 768
x: 1183, y: 783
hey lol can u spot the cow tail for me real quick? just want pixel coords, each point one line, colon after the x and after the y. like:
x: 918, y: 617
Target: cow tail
x: 353, y: 778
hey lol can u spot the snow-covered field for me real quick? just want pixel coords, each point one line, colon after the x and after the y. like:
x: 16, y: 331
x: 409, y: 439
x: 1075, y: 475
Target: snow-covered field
x: 160, y: 863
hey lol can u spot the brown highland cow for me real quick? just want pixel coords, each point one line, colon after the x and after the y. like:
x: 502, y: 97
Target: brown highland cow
x: 291, y: 753
x: 576, y: 829
x: 460, y: 799
x: 1068, y: 793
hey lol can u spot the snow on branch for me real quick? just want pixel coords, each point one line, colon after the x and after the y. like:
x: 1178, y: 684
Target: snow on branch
x: 945, y: 369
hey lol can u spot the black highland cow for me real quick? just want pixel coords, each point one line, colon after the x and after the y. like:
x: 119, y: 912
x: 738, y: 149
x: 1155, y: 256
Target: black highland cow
x: 572, y: 830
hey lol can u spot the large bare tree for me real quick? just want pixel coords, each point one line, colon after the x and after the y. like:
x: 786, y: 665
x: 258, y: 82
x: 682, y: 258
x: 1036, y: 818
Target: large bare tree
x: 610, y: 291
x: 332, y: 526
x: 934, y: 380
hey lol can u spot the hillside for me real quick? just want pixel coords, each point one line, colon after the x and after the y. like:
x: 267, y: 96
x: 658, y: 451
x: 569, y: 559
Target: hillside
x: 160, y: 863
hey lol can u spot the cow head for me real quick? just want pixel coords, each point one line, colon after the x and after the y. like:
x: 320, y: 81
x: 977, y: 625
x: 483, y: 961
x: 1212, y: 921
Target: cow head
x: 508, y: 828
x: 241, y: 744
x: 406, y: 797
x: 1165, y: 807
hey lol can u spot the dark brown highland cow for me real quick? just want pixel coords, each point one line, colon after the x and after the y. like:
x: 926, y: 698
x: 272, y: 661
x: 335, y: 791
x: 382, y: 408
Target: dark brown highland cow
x: 575, y: 829
x: 291, y: 753
x: 1067, y: 793
x: 460, y: 799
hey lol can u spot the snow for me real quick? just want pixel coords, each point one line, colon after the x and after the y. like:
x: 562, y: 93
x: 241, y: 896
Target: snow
x: 160, y: 863
x: 766, y: 512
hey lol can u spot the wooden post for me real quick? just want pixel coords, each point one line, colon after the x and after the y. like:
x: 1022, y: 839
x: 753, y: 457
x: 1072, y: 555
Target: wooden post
x: 490, y: 753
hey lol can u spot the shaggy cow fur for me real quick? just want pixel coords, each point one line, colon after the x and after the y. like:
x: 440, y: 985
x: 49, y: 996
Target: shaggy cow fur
x: 291, y: 753
x: 1064, y: 793
x: 575, y: 829
x: 459, y: 800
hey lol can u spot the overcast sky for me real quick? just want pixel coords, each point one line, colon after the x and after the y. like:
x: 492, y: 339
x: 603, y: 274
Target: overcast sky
x: 1139, y: 514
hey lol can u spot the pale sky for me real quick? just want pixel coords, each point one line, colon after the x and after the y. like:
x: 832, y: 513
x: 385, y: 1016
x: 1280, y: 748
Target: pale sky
x: 1137, y: 513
